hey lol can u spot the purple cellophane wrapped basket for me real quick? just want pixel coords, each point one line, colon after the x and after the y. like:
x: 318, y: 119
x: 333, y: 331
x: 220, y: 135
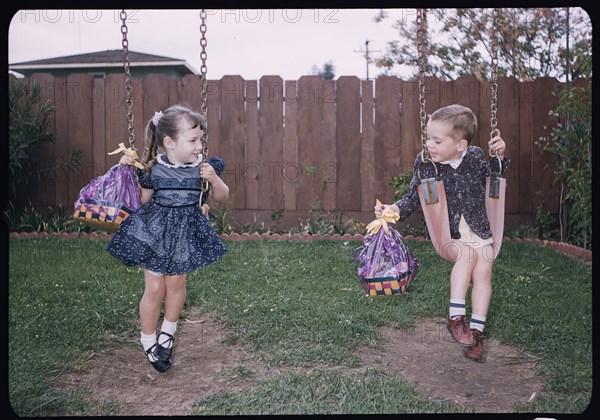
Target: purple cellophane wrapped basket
x: 385, y: 265
x: 108, y: 199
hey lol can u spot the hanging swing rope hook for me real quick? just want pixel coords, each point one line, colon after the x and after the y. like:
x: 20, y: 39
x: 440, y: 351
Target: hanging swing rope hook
x: 424, y: 161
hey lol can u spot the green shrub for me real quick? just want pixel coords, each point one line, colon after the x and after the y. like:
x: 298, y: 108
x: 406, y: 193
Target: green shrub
x: 571, y: 140
x: 400, y: 184
x: 30, y: 124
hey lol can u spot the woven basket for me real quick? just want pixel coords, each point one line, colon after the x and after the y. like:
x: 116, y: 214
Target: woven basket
x: 388, y: 286
x: 102, y: 215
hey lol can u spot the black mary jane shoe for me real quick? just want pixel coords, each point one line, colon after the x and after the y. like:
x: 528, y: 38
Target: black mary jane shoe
x: 165, y: 352
x: 160, y: 364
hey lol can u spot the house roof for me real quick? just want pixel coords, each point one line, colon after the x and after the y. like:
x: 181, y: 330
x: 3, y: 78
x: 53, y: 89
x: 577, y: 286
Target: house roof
x: 108, y: 58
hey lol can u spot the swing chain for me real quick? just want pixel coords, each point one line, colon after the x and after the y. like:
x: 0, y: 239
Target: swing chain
x: 421, y: 44
x: 494, y: 77
x: 204, y: 96
x: 128, y: 91
x: 203, y: 56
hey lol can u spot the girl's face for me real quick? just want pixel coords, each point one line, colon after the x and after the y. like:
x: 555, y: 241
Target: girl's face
x: 187, y: 146
x: 440, y: 143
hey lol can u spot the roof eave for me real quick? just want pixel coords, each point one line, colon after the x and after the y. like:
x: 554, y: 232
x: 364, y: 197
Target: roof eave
x: 105, y: 64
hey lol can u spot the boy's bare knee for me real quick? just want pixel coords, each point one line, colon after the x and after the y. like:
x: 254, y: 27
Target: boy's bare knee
x: 482, y: 271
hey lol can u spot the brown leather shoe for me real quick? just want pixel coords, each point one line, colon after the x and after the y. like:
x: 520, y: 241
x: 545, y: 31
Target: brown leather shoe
x: 475, y: 352
x: 460, y: 331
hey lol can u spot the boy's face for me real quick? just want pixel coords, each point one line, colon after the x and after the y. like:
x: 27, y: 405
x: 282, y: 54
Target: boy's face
x: 440, y: 143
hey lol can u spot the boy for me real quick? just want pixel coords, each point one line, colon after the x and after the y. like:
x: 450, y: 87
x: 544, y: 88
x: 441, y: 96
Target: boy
x: 463, y: 169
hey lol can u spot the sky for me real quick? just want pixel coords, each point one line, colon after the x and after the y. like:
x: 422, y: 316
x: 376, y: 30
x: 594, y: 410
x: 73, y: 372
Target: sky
x: 247, y: 42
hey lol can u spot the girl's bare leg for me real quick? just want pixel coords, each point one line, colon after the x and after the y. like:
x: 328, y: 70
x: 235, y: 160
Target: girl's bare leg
x: 175, y: 296
x: 150, y: 305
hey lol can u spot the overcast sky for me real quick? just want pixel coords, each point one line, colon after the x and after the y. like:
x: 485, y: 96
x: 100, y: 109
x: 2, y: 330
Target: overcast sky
x: 249, y: 43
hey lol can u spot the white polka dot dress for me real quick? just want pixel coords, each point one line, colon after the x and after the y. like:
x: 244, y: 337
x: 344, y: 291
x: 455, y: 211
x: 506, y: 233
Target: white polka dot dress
x: 169, y: 234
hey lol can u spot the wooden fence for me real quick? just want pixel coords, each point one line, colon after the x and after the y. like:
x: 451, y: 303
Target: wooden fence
x: 296, y: 145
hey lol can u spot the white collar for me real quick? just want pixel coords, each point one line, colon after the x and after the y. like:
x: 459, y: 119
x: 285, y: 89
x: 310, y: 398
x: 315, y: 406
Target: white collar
x: 163, y: 160
x: 455, y: 163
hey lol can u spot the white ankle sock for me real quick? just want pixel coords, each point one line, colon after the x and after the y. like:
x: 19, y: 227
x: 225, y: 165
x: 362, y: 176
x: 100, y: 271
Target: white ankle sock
x: 148, y: 340
x: 477, y: 322
x: 170, y: 328
x: 457, y: 308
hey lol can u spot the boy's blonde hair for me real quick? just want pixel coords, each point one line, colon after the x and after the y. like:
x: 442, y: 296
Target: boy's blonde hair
x: 462, y: 119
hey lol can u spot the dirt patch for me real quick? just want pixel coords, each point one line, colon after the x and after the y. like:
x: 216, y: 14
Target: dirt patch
x: 428, y: 358
x: 203, y: 365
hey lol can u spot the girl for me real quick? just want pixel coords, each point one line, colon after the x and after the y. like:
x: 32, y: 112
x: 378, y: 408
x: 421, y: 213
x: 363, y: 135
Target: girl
x: 168, y: 236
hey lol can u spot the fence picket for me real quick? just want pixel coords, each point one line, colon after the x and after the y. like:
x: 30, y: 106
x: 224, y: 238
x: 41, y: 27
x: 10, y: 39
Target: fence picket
x: 285, y: 139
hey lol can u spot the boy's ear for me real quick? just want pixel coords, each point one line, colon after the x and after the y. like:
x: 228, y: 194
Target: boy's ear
x: 462, y: 145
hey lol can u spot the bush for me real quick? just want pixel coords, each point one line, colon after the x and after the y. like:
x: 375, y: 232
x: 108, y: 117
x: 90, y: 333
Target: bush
x: 30, y: 123
x: 571, y: 141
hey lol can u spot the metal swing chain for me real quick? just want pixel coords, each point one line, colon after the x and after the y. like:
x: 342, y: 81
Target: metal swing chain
x: 204, y: 98
x: 421, y: 44
x: 494, y: 183
x: 494, y: 78
x: 428, y: 185
x: 128, y: 92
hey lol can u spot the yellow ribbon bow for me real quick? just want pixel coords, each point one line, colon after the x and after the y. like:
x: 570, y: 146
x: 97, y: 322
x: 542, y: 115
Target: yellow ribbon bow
x: 387, y: 216
x: 128, y: 151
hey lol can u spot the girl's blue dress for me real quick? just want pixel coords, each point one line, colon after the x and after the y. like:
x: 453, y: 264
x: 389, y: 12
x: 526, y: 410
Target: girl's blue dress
x: 169, y: 235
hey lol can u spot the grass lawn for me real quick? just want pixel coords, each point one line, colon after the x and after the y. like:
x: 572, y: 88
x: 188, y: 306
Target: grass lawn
x: 293, y: 303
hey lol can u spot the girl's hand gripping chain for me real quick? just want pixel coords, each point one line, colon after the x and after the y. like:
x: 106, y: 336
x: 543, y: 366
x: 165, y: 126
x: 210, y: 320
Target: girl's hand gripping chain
x: 219, y: 191
x: 206, y: 172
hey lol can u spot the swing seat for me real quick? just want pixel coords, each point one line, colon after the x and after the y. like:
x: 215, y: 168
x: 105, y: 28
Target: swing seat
x: 494, y: 208
x: 433, y: 198
x: 437, y: 219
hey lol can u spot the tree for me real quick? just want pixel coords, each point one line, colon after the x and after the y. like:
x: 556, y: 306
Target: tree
x: 531, y: 43
x: 327, y: 72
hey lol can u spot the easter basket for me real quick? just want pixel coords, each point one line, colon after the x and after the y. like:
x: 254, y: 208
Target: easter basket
x: 385, y: 265
x: 108, y: 199
x: 111, y: 198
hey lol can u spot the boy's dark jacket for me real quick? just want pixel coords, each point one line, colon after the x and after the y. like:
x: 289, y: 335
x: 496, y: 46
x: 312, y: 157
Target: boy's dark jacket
x: 465, y: 191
